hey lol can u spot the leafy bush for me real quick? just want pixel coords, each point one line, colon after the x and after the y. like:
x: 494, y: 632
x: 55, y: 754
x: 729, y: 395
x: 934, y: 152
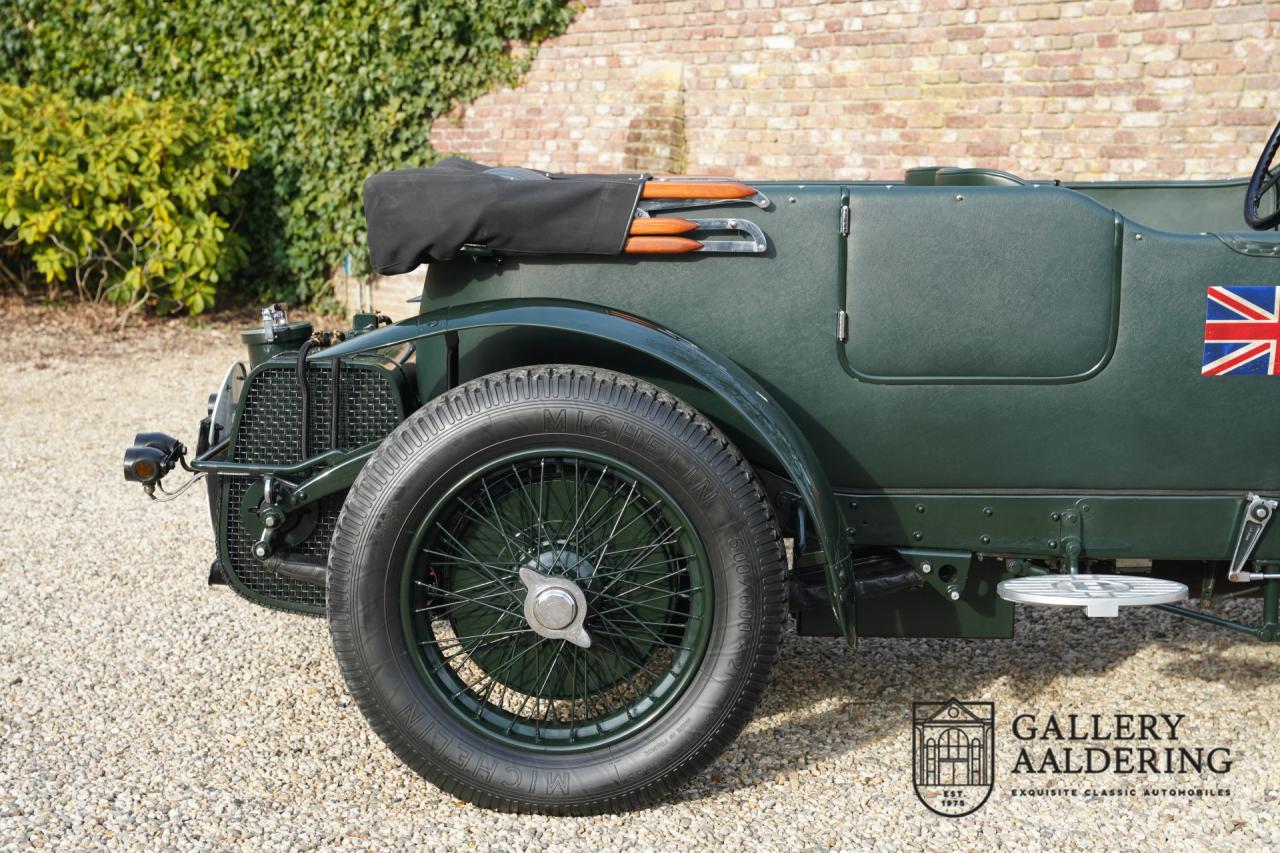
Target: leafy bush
x: 329, y: 92
x: 126, y: 199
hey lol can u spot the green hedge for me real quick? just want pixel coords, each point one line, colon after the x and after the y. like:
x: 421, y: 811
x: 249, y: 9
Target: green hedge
x: 328, y: 92
x: 124, y: 200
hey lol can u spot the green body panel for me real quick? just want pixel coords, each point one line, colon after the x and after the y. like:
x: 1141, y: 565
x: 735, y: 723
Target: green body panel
x: 1019, y: 376
x: 1110, y: 526
x: 1058, y: 354
x: 974, y: 305
x: 1143, y: 421
x: 929, y: 611
x: 1188, y: 206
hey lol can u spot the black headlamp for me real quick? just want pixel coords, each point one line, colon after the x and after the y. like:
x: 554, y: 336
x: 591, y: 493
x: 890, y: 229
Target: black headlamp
x: 152, y: 455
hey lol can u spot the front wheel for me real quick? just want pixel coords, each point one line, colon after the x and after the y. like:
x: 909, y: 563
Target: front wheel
x: 556, y: 589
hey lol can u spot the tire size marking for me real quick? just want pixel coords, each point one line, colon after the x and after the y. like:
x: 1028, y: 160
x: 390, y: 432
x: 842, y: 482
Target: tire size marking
x: 476, y: 763
x: 630, y: 435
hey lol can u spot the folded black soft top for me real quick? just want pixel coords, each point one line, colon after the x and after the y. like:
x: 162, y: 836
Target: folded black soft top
x: 416, y: 216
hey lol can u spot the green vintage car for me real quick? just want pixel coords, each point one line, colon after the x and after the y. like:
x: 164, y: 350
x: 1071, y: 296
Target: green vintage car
x: 558, y: 520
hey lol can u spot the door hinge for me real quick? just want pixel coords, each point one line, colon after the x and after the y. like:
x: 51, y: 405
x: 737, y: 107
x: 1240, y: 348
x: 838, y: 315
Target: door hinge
x: 844, y: 220
x: 842, y: 326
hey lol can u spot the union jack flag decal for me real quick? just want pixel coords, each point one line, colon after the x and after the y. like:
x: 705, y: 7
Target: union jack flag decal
x: 1241, y: 331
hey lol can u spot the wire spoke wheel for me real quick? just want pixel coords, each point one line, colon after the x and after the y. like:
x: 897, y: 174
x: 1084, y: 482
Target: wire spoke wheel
x: 557, y: 589
x: 557, y: 600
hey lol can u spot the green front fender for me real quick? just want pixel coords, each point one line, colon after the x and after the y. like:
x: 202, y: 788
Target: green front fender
x: 772, y: 426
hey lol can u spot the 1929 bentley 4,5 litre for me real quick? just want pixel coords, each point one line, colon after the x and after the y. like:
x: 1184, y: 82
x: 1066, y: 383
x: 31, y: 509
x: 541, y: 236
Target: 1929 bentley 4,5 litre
x: 545, y: 517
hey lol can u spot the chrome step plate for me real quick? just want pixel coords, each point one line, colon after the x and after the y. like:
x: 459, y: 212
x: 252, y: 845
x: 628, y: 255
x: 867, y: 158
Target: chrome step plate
x: 1099, y: 595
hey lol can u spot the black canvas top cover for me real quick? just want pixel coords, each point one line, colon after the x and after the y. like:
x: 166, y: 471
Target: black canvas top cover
x: 416, y: 216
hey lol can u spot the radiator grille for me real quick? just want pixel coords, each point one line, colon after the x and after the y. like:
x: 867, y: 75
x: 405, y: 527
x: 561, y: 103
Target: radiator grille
x: 269, y: 433
x: 270, y: 426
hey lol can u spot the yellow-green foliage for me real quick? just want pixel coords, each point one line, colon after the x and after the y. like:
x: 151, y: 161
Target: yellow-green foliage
x: 121, y: 199
x: 329, y: 91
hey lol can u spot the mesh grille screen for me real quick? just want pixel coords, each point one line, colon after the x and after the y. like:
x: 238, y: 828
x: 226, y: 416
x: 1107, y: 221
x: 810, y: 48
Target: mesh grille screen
x: 270, y: 425
x: 270, y: 434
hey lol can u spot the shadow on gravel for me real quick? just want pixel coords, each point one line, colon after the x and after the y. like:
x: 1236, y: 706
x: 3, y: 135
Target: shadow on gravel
x: 1211, y: 666
x: 862, y: 697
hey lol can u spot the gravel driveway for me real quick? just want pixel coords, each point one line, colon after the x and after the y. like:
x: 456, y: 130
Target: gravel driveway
x: 140, y: 708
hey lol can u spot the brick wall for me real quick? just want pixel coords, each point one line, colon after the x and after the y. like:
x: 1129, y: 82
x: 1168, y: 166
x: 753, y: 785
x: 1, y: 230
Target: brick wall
x: 1099, y: 89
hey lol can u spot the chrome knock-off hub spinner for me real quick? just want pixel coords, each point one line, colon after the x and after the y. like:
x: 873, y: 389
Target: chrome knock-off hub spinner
x: 555, y: 607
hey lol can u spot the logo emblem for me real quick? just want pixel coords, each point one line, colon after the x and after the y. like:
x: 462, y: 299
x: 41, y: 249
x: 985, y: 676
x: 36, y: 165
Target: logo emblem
x: 953, y: 750
x: 1241, y: 331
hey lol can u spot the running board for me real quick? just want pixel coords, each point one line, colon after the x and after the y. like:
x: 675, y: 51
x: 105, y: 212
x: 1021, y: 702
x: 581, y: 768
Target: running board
x: 1099, y: 595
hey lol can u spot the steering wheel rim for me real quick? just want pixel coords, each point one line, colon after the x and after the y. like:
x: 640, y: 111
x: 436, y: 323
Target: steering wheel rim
x: 1262, y: 181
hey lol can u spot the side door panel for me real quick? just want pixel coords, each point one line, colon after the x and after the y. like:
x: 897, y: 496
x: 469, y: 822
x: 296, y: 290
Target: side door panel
x: 980, y: 284
x: 1102, y: 390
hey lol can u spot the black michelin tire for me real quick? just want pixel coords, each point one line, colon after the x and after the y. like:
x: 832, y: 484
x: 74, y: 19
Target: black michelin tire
x: 592, y: 411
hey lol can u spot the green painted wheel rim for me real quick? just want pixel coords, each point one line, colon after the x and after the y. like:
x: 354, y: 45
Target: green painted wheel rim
x: 590, y: 519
